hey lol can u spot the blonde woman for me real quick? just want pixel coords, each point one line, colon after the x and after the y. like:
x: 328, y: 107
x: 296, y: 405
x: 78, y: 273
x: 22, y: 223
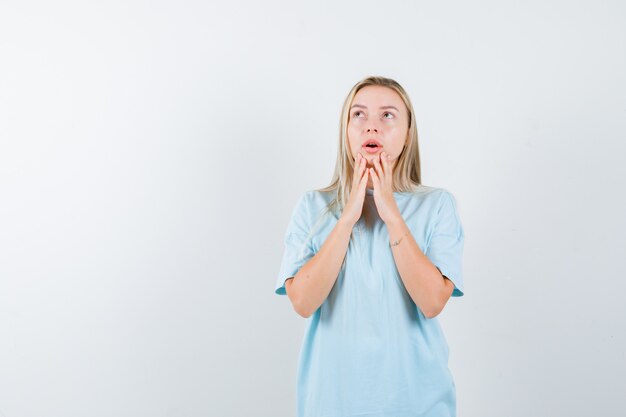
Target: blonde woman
x: 370, y: 261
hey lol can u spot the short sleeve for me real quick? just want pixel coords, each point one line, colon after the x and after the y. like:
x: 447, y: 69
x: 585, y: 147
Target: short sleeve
x: 445, y: 250
x: 298, y: 248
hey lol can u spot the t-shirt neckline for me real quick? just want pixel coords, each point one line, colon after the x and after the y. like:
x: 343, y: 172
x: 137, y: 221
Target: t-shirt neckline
x: 370, y: 191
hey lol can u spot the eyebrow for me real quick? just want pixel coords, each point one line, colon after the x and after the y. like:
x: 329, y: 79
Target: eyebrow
x: 382, y: 107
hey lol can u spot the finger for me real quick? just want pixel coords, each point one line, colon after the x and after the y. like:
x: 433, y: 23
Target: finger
x: 363, y: 166
x: 357, y: 162
x: 379, y: 168
x: 364, y: 177
x: 375, y: 178
x: 384, y: 159
x: 363, y: 183
x: 387, y: 167
x: 362, y: 170
x: 358, y: 170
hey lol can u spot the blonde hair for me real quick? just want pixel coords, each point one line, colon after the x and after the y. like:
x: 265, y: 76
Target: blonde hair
x: 406, y: 173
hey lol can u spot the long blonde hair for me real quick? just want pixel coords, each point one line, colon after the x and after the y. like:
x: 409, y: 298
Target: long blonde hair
x: 406, y: 173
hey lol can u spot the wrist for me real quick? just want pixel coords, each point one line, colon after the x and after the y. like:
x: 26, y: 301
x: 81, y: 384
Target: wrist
x: 395, y: 221
x: 346, y: 222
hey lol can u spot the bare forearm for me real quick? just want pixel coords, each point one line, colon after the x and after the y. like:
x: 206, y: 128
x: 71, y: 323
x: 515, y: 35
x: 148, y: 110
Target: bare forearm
x: 313, y: 282
x: 421, y: 278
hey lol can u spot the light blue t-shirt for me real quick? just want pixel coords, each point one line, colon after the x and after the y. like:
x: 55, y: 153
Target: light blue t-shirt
x: 368, y: 350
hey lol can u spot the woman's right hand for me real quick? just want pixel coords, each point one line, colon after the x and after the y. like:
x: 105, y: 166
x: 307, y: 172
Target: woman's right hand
x: 354, y: 206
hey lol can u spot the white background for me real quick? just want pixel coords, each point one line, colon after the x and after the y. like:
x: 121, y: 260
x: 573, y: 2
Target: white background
x: 152, y: 152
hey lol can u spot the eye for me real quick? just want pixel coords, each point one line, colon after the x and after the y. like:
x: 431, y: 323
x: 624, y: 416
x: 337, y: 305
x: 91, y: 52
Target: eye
x: 389, y: 113
x: 355, y: 113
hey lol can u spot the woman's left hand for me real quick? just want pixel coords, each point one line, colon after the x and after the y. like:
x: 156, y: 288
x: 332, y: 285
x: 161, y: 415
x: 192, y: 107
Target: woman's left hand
x: 383, y: 188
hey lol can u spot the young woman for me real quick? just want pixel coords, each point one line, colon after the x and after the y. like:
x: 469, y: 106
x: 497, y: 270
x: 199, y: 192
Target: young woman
x: 371, y: 260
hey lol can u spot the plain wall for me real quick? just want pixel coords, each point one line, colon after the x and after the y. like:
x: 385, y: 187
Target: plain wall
x: 152, y: 152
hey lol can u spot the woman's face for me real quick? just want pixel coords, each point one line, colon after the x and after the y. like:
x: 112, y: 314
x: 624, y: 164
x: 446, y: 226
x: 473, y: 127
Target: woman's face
x: 377, y: 113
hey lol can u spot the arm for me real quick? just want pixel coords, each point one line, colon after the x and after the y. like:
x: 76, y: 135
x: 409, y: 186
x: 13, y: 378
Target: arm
x: 429, y: 289
x: 308, y: 289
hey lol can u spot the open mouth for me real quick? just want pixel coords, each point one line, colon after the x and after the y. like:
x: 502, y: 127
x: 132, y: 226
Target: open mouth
x: 372, y: 148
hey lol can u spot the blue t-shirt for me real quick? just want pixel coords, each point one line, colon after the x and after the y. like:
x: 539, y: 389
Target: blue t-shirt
x: 368, y: 350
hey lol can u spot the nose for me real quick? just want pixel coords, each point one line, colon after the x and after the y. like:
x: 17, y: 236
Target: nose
x: 372, y: 125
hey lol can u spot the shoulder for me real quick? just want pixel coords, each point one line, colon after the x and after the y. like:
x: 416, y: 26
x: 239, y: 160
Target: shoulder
x: 317, y: 200
x: 312, y: 197
x: 311, y: 203
x: 445, y: 197
x: 430, y: 195
x: 435, y: 202
x: 445, y: 208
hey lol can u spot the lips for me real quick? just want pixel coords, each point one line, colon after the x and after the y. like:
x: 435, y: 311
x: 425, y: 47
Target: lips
x: 372, y: 146
x: 371, y: 143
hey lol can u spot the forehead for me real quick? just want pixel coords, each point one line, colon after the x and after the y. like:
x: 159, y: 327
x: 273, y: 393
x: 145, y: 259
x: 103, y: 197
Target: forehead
x: 378, y: 95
